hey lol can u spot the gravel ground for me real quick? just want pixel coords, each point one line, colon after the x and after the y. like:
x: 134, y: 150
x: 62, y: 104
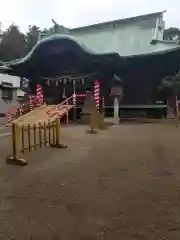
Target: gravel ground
x: 123, y: 183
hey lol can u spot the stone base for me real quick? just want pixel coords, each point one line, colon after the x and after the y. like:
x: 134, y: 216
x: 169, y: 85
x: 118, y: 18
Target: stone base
x: 8, y: 125
x: 116, y: 121
x: 92, y: 132
x: 60, y: 145
x: 101, y: 123
x: 16, y: 161
x: 85, y: 118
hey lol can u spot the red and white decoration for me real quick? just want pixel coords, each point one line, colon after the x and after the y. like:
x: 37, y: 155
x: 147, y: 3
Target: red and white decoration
x: 80, y: 94
x: 9, y: 117
x: 97, y: 92
x: 34, y: 101
x: 20, y: 107
x: 30, y: 103
x: 39, y: 94
x: 74, y: 93
x: 103, y: 103
x: 38, y: 100
x: 74, y: 99
x: 67, y: 114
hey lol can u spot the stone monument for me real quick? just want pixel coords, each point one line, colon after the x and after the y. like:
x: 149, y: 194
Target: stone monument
x: 89, y: 106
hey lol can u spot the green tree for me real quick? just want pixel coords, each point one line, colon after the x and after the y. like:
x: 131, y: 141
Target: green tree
x: 170, y: 89
x: 46, y: 32
x: 1, y: 33
x: 172, y: 33
x: 12, y: 44
x: 32, y: 37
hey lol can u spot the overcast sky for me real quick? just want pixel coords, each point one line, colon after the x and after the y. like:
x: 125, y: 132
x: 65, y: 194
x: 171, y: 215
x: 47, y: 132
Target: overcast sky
x: 73, y: 13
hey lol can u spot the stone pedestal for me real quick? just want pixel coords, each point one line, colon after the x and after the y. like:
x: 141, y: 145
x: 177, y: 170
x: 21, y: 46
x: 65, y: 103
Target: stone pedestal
x: 117, y: 94
x: 170, y: 112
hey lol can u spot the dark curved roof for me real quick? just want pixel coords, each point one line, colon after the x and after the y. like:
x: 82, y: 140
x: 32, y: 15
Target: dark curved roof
x: 60, y: 55
x: 56, y: 55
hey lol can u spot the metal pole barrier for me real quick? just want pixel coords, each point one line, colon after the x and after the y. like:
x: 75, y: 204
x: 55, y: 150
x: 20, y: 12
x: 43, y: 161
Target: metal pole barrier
x: 45, y: 134
x: 22, y: 139
x: 15, y: 140
x: 34, y: 133
x: 49, y: 133
x: 57, y: 131
x: 54, y: 142
x: 40, y: 135
x: 57, y: 135
x: 53, y: 133
x: 29, y: 137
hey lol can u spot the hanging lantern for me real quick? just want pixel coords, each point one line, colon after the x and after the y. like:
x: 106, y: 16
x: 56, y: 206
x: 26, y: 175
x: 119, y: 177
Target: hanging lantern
x: 82, y: 81
x: 77, y: 80
x: 64, y: 92
x: 117, y: 91
x: 57, y: 83
x: 65, y: 80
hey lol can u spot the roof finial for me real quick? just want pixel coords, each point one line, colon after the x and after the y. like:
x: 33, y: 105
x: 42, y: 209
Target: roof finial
x: 60, y: 28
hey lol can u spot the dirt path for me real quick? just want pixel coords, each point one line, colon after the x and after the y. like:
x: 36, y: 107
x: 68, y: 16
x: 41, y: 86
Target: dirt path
x: 123, y: 183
